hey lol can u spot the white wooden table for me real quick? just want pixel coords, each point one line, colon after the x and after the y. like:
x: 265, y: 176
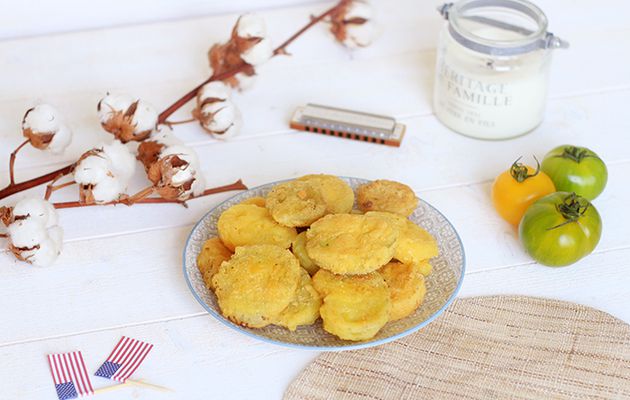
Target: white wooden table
x: 120, y: 272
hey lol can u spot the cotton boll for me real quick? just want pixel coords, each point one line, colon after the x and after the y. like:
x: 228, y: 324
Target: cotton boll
x: 61, y: 140
x: 128, y: 119
x: 91, y: 170
x: 184, y: 152
x: 104, y: 173
x: 185, y: 173
x: 36, y: 209
x: 45, y: 254
x: 215, y: 111
x: 251, y: 26
x: 176, y: 173
x: 33, y: 233
x: 149, y: 150
x: 182, y: 176
x: 221, y: 118
x: 45, y: 129
x: 27, y: 233
x: 42, y: 118
x: 245, y: 81
x: 259, y: 53
x: 55, y: 233
x: 111, y: 104
x: 164, y: 135
x: 108, y: 189
x: 123, y: 163
x: 226, y: 117
x: 352, y: 24
x: 232, y: 130
x: 248, y: 44
x: 145, y: 118
x: 360, y: 35
x: 221, y: 115
x: 214, y: 90
x: 48, y: 250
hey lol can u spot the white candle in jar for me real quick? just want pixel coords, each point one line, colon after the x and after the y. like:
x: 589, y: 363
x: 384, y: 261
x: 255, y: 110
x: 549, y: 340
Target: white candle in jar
x: 491, y: 80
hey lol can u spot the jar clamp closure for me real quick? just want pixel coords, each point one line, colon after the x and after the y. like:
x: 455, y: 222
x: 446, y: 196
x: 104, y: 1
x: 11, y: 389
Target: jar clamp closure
x: 493, y: 67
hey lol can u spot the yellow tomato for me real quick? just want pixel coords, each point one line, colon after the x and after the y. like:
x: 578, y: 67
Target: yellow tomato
x: 517, y: 188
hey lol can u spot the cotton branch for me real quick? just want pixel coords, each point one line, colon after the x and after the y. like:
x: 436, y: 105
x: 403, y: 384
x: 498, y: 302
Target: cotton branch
x: 13, y: 187
x: 10, y: 190
x: 280, y: 50
x: 12, y: 162
x: 140, y: 199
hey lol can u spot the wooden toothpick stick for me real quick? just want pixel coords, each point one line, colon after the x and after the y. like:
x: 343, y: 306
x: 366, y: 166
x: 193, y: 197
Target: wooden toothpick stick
x: 130, y: 382
x: 149, y: 385
x: 110, y: 388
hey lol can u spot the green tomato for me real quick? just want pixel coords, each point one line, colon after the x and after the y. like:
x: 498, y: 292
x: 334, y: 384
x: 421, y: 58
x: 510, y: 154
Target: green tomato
x: 576, y: 169
x: 560, y: 229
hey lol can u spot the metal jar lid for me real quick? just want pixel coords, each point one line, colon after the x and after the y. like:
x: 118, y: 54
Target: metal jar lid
x: 467, y: 11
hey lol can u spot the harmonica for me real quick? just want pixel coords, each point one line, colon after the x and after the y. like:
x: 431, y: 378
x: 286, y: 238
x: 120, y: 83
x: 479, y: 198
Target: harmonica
x: 348, y: 124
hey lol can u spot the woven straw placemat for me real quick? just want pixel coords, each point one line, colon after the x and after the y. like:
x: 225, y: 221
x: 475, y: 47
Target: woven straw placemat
x: 499, y: 347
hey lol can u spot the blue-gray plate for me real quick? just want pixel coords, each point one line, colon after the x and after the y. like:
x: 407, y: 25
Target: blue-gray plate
x: 442, y: 284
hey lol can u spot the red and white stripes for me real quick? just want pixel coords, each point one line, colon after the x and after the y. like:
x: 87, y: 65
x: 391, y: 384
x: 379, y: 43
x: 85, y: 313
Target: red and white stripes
x: 129, y: 353
x: 70, y: 367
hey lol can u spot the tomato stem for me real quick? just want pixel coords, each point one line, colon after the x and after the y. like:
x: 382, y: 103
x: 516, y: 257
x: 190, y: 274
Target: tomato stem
x: 572, y: 208
x: 575, y: 153
x: 520, y: 171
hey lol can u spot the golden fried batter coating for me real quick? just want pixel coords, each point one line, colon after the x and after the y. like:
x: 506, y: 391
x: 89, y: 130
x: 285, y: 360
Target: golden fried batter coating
x: 415, y: 245
x: 406, y: 287
x: 258, y: 201
x: 210, y: 258
x: 299, y: 250
x: 355, y: 307
x: 398, y: 221
x: 384, y: 195
x: 249, y: 224
x: 351, y: 244
x: 295, y: 203
x: 257, y: 284
x: 337, y: 194
x: 304, y: 309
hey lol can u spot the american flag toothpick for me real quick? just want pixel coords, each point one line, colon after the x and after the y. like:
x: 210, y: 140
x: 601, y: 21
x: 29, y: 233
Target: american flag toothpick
x: 70, y: 375
x: 124, y: 360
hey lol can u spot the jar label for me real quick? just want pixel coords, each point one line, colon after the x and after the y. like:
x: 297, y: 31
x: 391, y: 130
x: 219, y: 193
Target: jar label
x: 489, y: 104
x: 474, y: 91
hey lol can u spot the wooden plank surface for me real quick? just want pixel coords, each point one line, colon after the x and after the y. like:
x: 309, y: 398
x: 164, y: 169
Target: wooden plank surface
x: 34, y: 18
x: 120, y: 272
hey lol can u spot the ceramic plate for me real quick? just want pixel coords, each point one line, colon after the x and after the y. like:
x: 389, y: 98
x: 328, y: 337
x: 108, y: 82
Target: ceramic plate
x: 442, y: 285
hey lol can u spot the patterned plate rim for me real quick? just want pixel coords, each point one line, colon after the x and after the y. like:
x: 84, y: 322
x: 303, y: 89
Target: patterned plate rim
x: 350, y: 346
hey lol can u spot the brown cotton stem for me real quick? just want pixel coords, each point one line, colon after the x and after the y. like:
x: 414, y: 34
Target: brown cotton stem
x: 50, y: 188
x: 138, y: 197
x: 315, y: 20
x: 12, y: 162
x: 241, y: 68
x: 76, y: 204
x: 31, y: 183
x: 186, y: 121
x: 191, y: 95
x: 238, y: 185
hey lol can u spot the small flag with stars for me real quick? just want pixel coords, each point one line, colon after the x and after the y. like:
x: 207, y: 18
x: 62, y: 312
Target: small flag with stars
x: 124, y: 360
x: 70, y: 375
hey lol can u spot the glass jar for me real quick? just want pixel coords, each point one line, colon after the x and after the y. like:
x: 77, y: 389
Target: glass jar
x: 492, y: 67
